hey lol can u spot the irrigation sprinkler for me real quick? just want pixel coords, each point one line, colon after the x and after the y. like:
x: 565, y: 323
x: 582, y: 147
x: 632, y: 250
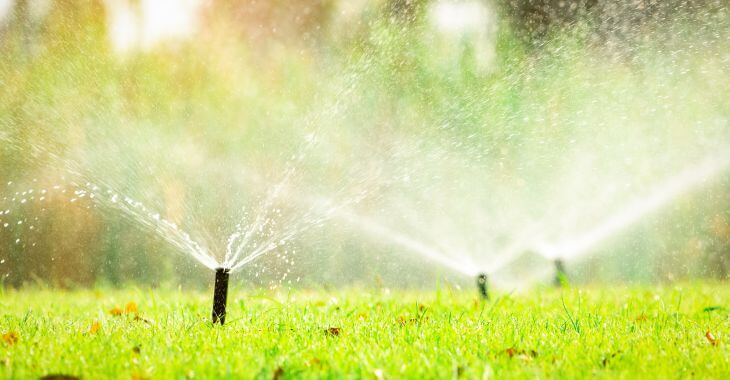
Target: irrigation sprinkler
x: 220, y: 295
x: 561, y: 277
x: 482, y: 286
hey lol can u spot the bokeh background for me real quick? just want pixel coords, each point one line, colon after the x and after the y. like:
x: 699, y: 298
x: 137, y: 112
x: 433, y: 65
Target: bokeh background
x: 455, y: 123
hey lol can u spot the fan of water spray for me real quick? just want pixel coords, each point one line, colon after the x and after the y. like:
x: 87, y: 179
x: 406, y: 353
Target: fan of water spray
x: 270, y: 225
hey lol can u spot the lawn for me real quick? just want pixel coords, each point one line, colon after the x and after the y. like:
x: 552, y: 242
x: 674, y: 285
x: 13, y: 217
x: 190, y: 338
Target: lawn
x: 677, y: 331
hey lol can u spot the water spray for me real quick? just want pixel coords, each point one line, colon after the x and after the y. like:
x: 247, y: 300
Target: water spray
x: 561, y: 276
x: 220, y: 295
x: 482, y: 286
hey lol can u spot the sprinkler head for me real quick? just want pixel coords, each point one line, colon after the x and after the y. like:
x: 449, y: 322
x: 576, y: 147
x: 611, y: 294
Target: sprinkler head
x: 561, y: 277
x: 482, y: 286
x: 220, y: 295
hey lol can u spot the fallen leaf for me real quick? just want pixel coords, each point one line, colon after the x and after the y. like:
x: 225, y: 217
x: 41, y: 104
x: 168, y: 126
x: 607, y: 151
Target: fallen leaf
x: 521, y: 354
x: 607, y: 358
x: 136, y: 349
x: 95, y: 327
x: 278, y: 374
x: 59, y: 377
x: 711, y: 338
x: 139, y: 318
x: 116, y: 311
x: 333, y: 331
x: 130, y: 308
x: 10, y: 338
x: 410, y: 321
x: 313, y: 361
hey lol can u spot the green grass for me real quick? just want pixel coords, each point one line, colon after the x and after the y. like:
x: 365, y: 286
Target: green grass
x: 609, y: 332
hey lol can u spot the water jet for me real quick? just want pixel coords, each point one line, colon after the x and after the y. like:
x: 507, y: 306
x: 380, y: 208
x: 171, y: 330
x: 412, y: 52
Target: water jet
x: 220, y: 295
x: 482, y: 286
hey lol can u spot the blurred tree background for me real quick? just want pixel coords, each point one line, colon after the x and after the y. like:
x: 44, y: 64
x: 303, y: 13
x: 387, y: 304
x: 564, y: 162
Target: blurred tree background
x: 197, y: 107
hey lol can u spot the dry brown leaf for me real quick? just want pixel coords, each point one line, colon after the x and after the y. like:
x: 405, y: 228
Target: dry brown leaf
x: 95, y: 327
x: 10, y: 338
x: 521, y: 354
x: 608, y: 358
x: 410, y: 321
x: 130, y: 308
x: 711, y: 338
x: 333, y: 331
x: 278, y: 374
x: 139, y: 318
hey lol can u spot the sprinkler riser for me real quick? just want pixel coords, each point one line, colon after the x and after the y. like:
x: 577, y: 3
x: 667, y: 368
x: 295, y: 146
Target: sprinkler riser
x: 560, y: 274
x: 220, y: 295
x: 482, y: 285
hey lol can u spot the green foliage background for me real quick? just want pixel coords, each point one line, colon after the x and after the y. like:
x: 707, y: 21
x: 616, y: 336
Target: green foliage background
x: 179, y: 126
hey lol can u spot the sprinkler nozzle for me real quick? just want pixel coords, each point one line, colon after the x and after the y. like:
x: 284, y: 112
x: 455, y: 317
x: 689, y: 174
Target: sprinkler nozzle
x: 561, y: 277
x: 220, y: 295
x: 482, y: 286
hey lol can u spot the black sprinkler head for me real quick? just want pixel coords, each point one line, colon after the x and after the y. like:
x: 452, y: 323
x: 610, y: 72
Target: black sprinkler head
x: 482, y: 286
x: 220, y: 295
x: 561, y: 277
